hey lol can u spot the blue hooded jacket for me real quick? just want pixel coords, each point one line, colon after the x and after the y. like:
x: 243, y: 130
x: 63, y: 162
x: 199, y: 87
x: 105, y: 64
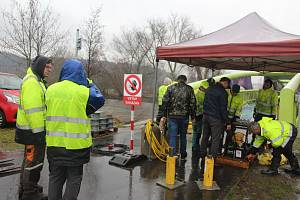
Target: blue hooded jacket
x: 73, y: 70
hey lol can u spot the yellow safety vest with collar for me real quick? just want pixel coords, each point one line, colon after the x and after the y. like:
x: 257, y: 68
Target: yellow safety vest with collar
x: 31, y: 112
x: 161, y: 92
x: 67, y: 124
x: 277, y: 132
x: 199, y: 101
x: 267, y: 102
x: 235, y: 105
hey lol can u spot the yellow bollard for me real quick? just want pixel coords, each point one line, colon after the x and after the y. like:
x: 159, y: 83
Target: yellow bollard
x: 208, y: 172
x: 170, y: 170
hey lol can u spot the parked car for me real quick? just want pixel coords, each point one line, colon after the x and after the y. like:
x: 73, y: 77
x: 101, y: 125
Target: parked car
x: 10, y: 85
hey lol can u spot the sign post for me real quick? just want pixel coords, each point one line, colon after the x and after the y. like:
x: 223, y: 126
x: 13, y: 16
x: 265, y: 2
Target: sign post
x: 133, y: 97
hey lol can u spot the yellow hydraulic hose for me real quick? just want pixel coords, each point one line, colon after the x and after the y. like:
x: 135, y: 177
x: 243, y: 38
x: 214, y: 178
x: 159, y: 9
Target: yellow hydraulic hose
x: 159, y: 148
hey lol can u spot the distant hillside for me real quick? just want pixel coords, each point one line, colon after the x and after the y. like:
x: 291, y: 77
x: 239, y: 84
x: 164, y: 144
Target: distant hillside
x: 11, y: 63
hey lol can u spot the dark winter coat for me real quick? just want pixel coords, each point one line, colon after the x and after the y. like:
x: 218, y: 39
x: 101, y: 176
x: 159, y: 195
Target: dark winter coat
x: 179, y: 101
x: 215, y: 102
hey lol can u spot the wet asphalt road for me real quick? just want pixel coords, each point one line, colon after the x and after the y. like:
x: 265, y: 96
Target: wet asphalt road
x: 102, y: 181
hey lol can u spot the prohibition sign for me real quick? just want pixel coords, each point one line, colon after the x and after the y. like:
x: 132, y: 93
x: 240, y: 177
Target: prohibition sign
x: 136, y: 87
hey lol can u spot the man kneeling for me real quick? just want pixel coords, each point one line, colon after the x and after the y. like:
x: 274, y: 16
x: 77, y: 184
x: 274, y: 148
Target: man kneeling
x: 282, y: 135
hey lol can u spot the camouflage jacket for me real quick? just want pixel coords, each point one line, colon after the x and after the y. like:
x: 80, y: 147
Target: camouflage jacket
x: 179, y: 100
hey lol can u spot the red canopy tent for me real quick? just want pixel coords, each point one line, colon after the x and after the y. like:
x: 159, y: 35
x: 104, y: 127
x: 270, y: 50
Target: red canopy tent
x: 251, y: 43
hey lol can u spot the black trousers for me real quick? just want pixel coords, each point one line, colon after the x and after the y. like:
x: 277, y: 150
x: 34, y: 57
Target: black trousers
x: 287, y: 151
x: 59, y: 175
x: 159, y: 114
x: 31, y: 169
x: 213, y: 128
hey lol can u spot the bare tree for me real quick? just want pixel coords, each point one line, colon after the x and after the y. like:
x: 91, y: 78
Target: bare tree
x: 132, y: 47
x: 30, y: 29
x: 94, y: 42
x: 206, y: 72
x: 158, y: 34
x: 180, y: 29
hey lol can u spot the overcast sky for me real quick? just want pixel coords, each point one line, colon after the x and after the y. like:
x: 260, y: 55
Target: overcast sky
x: 207, y: 15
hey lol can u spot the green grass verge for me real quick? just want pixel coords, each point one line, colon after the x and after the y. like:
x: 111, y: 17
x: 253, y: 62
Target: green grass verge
x: 7, y: 140
x: 257, y: 186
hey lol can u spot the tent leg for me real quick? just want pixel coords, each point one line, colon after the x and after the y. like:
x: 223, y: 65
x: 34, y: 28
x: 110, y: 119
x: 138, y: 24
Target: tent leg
x: 153, y: 108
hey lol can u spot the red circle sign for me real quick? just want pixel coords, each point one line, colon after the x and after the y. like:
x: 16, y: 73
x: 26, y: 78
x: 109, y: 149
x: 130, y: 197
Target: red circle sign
x: 137, y: 90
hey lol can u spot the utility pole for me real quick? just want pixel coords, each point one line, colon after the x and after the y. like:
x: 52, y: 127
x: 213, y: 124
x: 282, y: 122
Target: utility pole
x: 78, y: 43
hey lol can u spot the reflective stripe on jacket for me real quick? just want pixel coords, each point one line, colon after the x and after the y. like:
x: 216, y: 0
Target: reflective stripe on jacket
x: 235, y: 105
x: 199, y: 101
x: 31, y: 110
x: 277, y: 132
x: 67, y: 124
x: 267, y: 102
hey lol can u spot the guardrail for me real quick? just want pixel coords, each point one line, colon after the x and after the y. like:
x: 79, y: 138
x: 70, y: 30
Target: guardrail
x: 288, y: 101
x: 249, y: 95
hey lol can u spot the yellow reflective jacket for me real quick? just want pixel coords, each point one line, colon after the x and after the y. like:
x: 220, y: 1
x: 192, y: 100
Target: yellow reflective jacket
x: 67, y: 124
x: 277, y: 132
x: 199, y: 101
x: 30, y: 124
x: 161, y: 92
x: 267, y: 102
x: 234, y: 106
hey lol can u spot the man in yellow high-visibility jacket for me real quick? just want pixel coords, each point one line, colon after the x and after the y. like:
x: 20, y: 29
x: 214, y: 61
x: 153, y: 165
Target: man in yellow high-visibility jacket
x: 197, y: 124
x: 234, y: 108
x: 69, y: 102
x: 161, y: 92
x: 30, y: 127
x: 282, y: 136
x: 267, y: 102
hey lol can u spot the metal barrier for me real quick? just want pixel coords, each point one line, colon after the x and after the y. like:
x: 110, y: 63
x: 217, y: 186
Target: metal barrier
x: 288, y: 101
x: 249, y: 95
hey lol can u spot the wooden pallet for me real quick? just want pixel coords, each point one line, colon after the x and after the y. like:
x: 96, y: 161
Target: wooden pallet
x: 233, y: 162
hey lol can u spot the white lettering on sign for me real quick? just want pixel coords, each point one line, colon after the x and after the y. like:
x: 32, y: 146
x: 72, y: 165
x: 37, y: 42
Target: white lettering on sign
x: 132, y: 89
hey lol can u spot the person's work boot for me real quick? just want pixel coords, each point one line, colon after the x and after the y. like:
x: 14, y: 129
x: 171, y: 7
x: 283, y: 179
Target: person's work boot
x: 295, y: 167
x: 39, y: 188
x: 269, y: 172
x: 35, y: 196
x: 292, y: 171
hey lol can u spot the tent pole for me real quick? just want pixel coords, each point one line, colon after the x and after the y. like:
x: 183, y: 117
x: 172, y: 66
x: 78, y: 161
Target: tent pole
x: 153, y: 108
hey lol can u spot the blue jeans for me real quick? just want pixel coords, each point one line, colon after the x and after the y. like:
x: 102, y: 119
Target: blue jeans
x: 178, y: 126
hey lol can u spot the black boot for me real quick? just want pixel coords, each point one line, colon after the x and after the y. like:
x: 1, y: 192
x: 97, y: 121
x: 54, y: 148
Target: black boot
x: 270, y: 172
x: 39, y: 188
x: 294, y: 167
x: 35, y: 196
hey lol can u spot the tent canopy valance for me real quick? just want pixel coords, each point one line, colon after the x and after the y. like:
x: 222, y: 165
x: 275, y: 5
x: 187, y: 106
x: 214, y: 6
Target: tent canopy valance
x: 248, y: 44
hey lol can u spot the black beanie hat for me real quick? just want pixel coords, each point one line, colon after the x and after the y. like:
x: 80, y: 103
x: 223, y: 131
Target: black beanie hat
x: 39, y: 64
x: 235, y: 88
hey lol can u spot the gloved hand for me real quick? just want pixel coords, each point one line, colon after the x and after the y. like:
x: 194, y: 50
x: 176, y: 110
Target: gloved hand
x: 250, y: 157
